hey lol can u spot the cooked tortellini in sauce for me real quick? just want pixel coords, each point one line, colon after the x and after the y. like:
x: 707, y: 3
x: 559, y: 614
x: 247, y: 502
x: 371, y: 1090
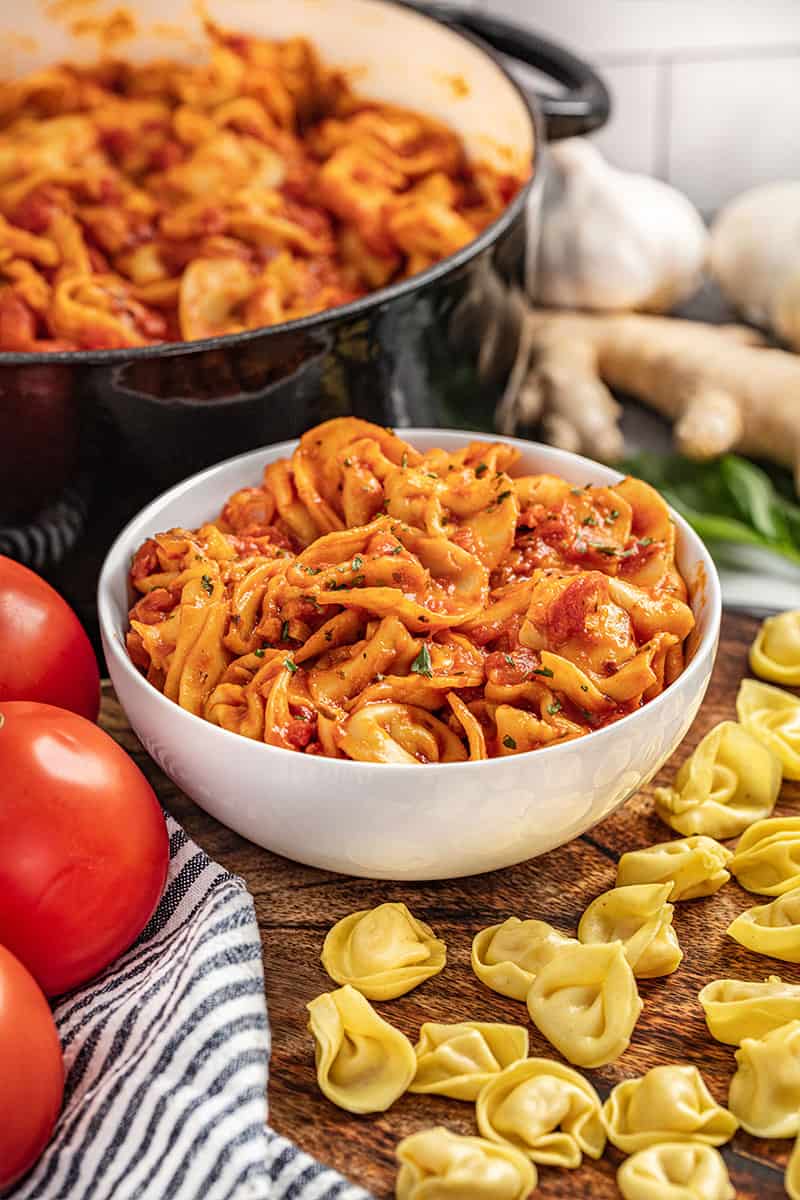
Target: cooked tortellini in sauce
x: 640, y: 917
x: 695, y: 866
x: 765, y: 1091
x: 457, y: 1060
x: 772, y: 929
x: 585, y: 1002
x: 775, y: 653
x: 436, y: 1164
x: 791, y: 1180
x: 675, y: 1171
x: 363, y: 1063
x: 730, y: 781
x: 507, y: 957
x: 667, y: 1104
x: 767, y: 856
x: 383, y: 952
x: 547, y: 1110
x: 738, y: 1008
x: 773, y: 716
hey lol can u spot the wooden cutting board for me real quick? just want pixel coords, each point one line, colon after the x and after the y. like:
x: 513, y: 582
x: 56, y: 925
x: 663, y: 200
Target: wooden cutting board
x: 296, y: 906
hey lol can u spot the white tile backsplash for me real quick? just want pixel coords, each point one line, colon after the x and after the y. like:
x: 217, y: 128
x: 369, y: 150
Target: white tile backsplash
x: 632, y: 138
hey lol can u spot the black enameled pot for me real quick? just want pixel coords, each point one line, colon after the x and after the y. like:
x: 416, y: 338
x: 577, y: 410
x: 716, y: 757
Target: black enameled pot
x: 404, y: 355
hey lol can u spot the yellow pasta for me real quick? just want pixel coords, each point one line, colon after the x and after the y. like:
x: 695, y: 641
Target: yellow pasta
x: 366, y: 600
x: 730, y: 781
x: 457, y: 1060
x: 436, y: 1164
x: 507, y: 957
x: 363, y: 1063
x: 675, y: 1171
x: 767, y: 856
x: 765, y: 1091
x: 773, y: 716
x: 546, y: 1110
x: 585, y: 1002
x: 383, y: 952
x: 641, y: 918
x: 737, y: 1008
x: 694, y: 866
x: 771, y: 929
x: 667, y: 1104
x: 775, y: 652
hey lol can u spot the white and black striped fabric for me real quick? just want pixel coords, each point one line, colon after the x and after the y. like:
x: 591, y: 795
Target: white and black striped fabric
x: 167, y: 1056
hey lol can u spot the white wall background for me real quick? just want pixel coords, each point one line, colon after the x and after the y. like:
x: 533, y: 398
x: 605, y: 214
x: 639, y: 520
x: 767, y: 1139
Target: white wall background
x: 706, y: 92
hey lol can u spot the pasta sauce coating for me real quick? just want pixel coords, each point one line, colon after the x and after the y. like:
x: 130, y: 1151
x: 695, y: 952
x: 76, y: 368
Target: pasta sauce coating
x: 370, y: 601
x: 172, y: 202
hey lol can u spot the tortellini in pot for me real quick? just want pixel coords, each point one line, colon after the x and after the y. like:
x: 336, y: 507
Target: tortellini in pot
x: 457, y: 1060
x: 730, y: 781
x: 695, y: 866
x: 737, y: 1008
x: 667, y: 1104
x: 772, y: 929
x: 675, y: 1171
x: 507, y: 957
x: 773, y: 716
x: 640, y: 917
x: 383, y: 952
x: 791, y: 1180
x: 585, y: 1002
x: 767, y: 856
x: 765, y: 1091
x: 546, y: 1110
x: 436, y: 1164
x: 363, y: 1063
x: 775, y: 653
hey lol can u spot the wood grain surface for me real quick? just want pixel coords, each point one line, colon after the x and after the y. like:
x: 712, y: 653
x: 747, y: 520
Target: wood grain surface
x: 296, y: 906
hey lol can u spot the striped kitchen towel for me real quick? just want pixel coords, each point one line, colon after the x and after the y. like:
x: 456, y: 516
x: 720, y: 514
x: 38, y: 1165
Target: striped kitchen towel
x: 166, y: 1057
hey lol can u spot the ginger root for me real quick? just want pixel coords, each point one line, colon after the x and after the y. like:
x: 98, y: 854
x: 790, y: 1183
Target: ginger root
x: 719, y: 385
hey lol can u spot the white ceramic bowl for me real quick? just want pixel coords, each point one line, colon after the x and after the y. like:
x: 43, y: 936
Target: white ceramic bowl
x: 401, y: 822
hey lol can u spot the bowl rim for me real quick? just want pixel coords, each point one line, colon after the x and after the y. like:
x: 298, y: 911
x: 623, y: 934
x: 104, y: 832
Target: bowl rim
x: 115, y: 649
x: 354, y: 308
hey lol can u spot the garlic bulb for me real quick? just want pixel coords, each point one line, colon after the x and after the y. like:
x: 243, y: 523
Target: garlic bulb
x: 611, y: 239
x: 755, y: 257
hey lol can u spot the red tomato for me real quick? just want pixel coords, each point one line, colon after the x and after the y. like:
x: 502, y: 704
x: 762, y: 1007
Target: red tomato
x: 44, y: 653
x: 83, y: 845
x: 31, y: 1070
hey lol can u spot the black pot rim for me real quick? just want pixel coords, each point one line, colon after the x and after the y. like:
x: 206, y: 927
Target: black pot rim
x: 341, y: 312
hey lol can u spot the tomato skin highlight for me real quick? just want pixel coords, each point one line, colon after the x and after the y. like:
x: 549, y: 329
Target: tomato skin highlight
x: 83, y: 845
x: 31, y: 1070
x: 45, y: 654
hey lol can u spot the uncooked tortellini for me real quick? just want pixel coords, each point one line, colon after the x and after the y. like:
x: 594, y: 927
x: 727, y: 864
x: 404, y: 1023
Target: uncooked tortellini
x: 547, y: 1110
x: 730, y: 781
x: 436, y: 1164
x: 775, y: 653
x: 791, y: 1180
x: 457, y: 1060
x: 363, y: 1063
x: 383, y: 952
x: 773, y: 716
x: 772, y: 929
x: 667, y: 1104
x: 767, y: 856
x: 765, y: 1091
x: 695, y: 866
x: 738, y: 1008
x: 585, y: 1002
x: 675, y: 1171
x: 639, y: 917
x: 507, y: 957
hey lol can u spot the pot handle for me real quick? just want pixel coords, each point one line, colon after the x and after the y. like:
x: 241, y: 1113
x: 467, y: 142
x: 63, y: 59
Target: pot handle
x: 586, y: 103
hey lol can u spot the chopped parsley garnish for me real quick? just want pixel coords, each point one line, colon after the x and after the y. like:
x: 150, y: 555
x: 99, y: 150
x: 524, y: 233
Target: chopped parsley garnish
x: 207, y: 585
x: 357, y: 563
x: 258, y: 653
x: 328, y: 635
x: 576, y: 491
x: 610, y: 551
x: 396, y: 549
x: 509, y: 660
x: 613, y: 514
x: 481, y: 469
x: 358, y: 580
x: 589, y: 521
x: 554, y: 708
x: 404, y: 460
x: 380, y: 678
x: 348, y: 462
x: 503, y: 496
x: 431, y: 475
x: 285, y: 631
x: 312, y: 570
x: 290, y: 666
x: 422, y: 663
x: 543, y: 671
x: 509, y: 742
x: 645, y: 541
x: 584, y: 687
